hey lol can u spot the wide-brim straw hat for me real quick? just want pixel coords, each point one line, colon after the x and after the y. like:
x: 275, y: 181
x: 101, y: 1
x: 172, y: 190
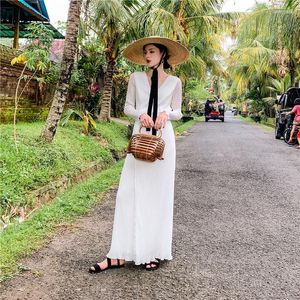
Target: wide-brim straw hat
x: 177, y: 52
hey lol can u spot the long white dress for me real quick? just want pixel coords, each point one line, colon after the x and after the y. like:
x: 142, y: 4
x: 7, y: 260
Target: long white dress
x: 143, y: 220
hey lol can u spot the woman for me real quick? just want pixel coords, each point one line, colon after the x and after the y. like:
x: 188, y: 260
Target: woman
x: 296, y: 122
x: 143, y: 222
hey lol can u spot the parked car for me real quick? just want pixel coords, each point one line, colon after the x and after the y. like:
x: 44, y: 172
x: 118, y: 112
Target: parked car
x: 286, y: 104
x: 214, y: 110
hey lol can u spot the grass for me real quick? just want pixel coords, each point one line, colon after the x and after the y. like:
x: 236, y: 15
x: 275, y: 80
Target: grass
x: 18, y: 240
x: 268, y: 125
x: 180, y: 127
x: 37, y: 163
x: 115, y: 134
x: 269, y: 122
x: 21, y: 239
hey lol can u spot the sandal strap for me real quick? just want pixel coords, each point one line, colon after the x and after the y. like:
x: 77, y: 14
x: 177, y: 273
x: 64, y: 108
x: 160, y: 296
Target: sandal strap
x: 108, y: 262
x: 97, y: 268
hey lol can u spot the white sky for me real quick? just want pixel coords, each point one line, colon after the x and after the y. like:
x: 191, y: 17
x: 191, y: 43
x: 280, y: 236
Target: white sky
x: 58, y: 9
x: 239, y: 5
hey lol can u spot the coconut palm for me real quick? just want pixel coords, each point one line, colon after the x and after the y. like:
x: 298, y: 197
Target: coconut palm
x: 262, y: 54
x: 192, y: 22
x: 277, y: 29
x: 195, y: 24
x: 248, y: 64
x: 69, y: 53
x: 113, y: 20
x: 292, y: 4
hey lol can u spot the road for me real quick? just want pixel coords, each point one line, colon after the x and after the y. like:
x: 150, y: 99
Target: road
x: 236, y: 229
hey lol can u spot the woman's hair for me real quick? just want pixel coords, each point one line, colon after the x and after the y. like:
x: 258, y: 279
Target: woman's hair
x: 163, y: 49
x: 297, y: 101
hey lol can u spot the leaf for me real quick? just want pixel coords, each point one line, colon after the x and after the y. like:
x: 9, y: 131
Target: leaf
x: 86, y: 124
x: 91, y: 120
x: 67, y: 115
x: 14, y: 61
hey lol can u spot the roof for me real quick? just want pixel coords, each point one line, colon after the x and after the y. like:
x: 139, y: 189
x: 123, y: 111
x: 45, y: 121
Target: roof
x: 30, y: 11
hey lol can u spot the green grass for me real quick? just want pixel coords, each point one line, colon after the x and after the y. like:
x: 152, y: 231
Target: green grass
x: 37, y: 163
x: 180, y: 127
x: 21, y: 239
x: 268, y: 125
x: 115, y: 134
x: 269, y: 122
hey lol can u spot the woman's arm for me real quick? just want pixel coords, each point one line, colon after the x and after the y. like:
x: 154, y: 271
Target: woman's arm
x: 129, y: 108
x: 175, y: 113
x: 293, y: 111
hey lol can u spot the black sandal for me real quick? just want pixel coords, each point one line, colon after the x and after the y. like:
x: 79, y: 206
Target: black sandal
x: 151, y: 268
x: 97, y: 268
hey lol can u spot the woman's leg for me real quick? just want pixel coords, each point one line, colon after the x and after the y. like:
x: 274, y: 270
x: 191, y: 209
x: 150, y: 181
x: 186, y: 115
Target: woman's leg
x: 292, y: 133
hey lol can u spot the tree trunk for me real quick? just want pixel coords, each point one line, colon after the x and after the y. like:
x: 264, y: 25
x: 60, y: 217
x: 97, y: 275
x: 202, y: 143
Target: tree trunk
x: 292, y: 75
x: 292, y: 66
x: 17, y: 28
x: 107, y: 91
x: 62, y: 87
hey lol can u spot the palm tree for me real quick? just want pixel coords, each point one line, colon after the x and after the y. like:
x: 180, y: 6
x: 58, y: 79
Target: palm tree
x: 113, y: 19
x: 61, y: 92
x: 191, y: 22
x: 277, y: 29
x: 195, y: 24
x: 293, y: 4
x: 264, y: 61
x: 249, y: 64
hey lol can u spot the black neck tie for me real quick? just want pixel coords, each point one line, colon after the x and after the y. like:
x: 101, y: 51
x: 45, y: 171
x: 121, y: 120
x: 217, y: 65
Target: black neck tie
x: 153, y: 99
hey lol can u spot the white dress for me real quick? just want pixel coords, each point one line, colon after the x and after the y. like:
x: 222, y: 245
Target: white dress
x: 143, y: 220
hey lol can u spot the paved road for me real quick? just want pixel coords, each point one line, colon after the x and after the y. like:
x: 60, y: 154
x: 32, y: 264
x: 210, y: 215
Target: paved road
x: 236, y: 229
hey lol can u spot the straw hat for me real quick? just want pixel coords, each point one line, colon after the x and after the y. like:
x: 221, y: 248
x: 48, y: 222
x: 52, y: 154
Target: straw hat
x: 177, y: 52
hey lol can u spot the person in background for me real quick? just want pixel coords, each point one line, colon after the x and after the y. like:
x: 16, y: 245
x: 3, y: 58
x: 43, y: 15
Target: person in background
x: 296, y: 122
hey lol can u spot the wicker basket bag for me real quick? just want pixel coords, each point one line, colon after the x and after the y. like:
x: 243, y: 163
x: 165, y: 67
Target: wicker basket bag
x: 146, y: 147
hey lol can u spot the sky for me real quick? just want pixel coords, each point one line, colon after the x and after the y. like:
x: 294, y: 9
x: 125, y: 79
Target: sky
x: 58, y: 9
x: 239, y: 5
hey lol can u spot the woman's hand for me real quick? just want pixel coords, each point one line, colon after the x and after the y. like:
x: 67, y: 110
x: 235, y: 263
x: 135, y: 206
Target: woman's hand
x: 146, y: 120
x: 161, y: 120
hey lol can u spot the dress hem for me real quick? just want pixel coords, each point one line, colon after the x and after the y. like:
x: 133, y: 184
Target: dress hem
x: 140, y: 262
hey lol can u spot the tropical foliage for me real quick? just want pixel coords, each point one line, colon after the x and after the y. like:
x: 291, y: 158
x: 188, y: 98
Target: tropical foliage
x: 34, y: 57
x: 263, y: 63
x: 65, y: 73
x: 114, y: 24
x: 266, y: 57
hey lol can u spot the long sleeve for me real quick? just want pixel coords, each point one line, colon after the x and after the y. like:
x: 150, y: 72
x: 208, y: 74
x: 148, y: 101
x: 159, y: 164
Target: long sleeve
x: 129, y: 108
x: 175, y: 112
